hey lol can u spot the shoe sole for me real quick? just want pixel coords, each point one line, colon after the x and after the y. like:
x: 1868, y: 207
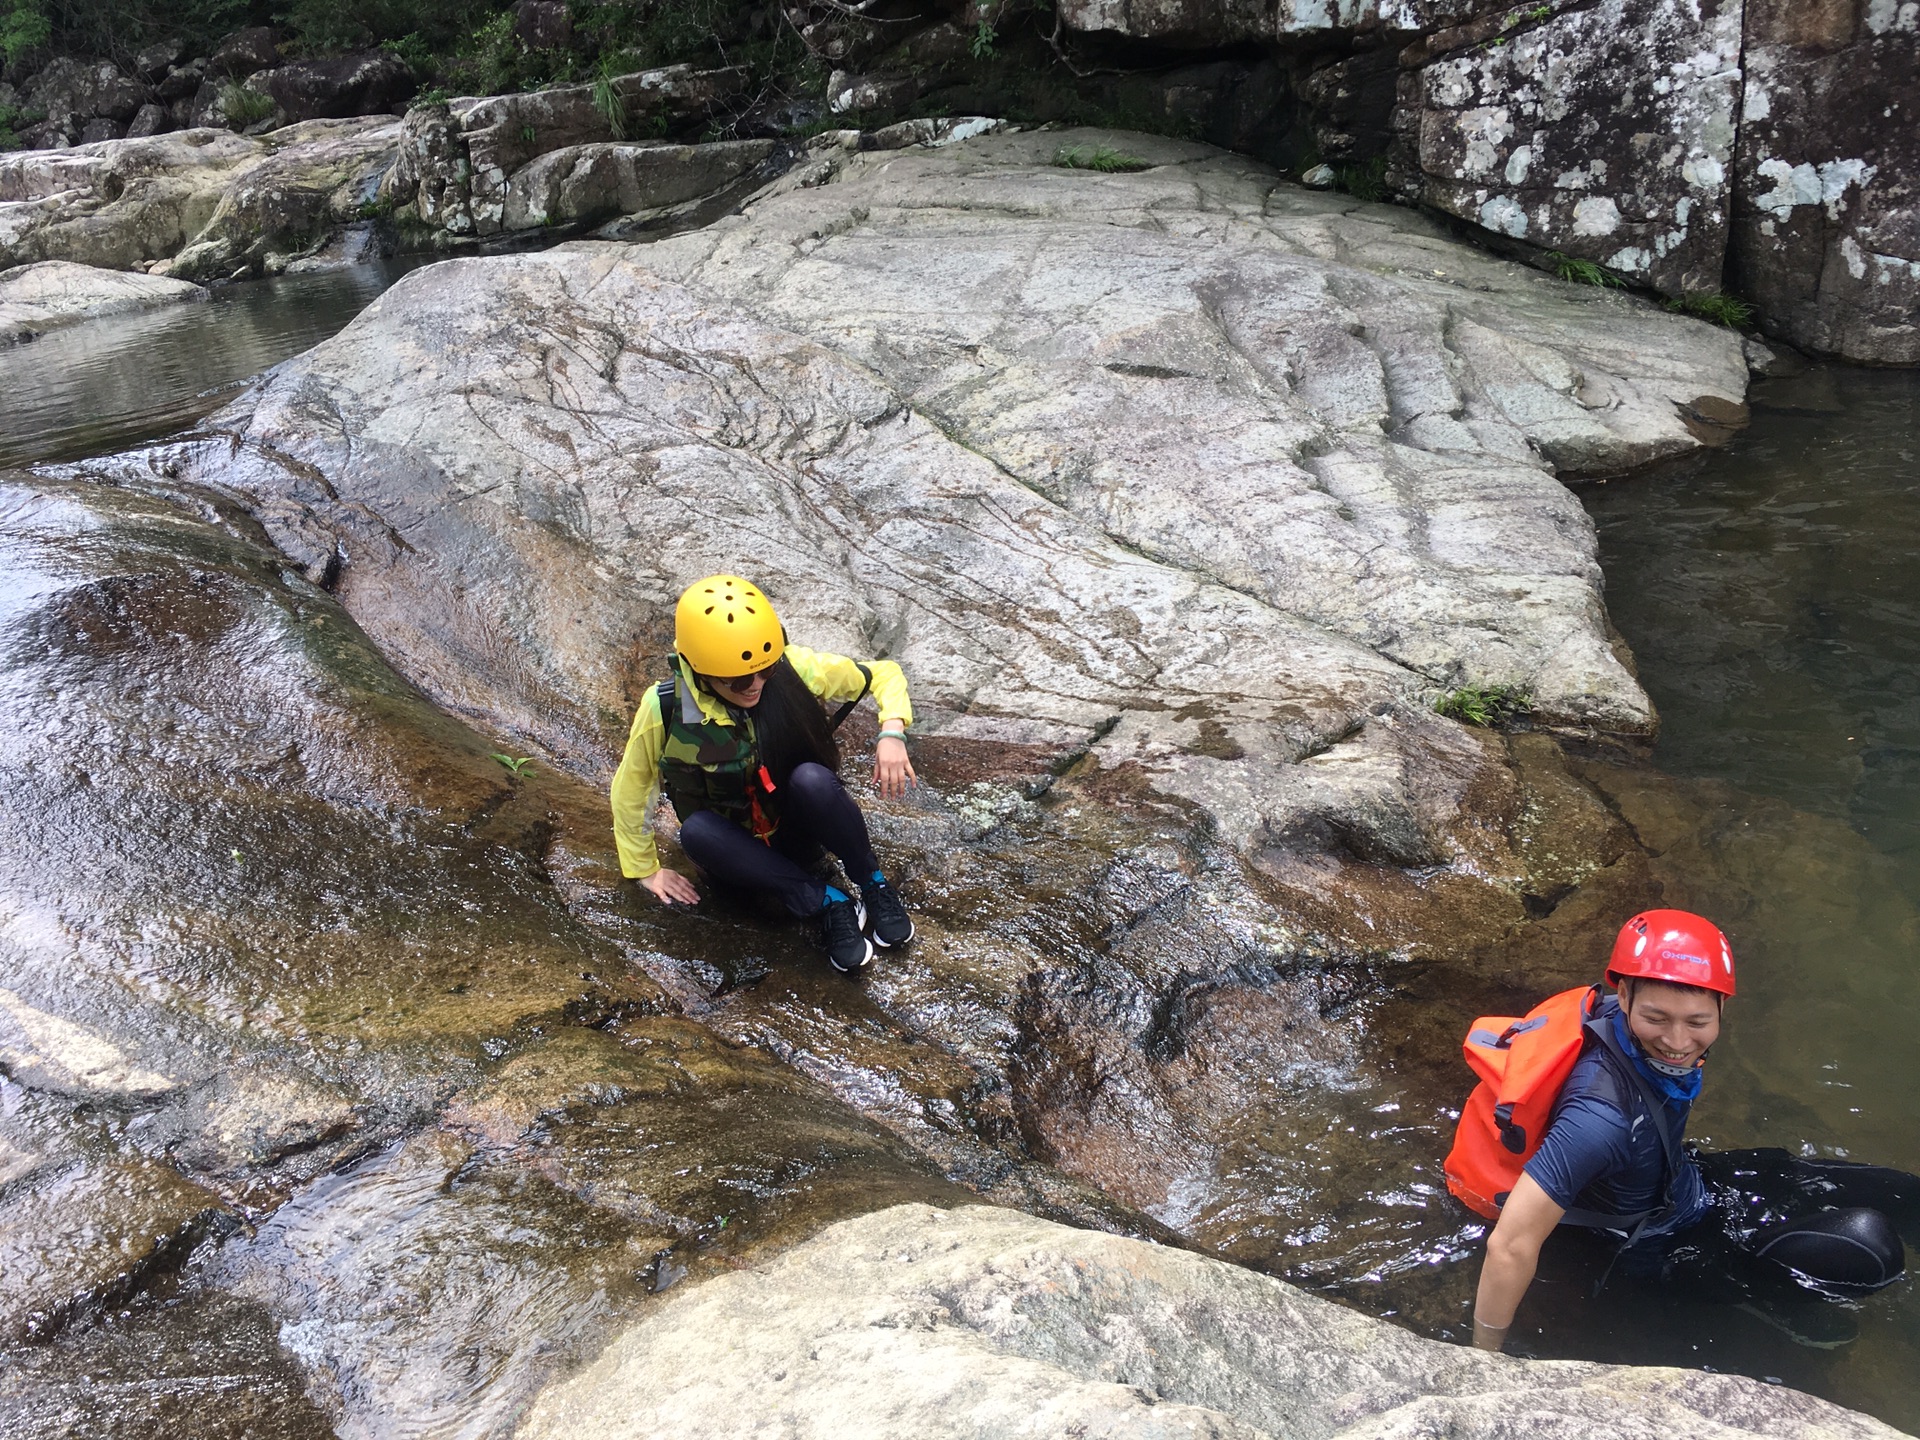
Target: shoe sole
x: 907, y: 939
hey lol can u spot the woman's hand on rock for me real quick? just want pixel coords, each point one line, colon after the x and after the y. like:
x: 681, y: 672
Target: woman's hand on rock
x: 670, y: 887
x: 892, y: 770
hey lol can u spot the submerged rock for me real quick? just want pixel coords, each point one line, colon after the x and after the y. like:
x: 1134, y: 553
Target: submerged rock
x: 978, y: 1322
x: 38, y: 298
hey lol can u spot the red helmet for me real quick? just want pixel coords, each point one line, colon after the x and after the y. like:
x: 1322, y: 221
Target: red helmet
x: 1675, y: 946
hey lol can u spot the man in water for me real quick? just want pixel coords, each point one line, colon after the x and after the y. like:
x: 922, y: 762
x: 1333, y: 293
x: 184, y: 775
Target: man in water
x: 1611, y: 1157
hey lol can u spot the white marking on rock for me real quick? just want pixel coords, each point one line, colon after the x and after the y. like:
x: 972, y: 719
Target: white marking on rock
x: 1504, y: 214
x: 1596, y: 215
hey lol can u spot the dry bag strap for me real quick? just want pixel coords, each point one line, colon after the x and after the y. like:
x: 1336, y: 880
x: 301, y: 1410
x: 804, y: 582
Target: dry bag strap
x: 866, y: 677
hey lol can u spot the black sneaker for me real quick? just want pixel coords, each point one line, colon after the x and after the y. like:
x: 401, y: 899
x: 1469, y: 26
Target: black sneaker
x: 891, y: 924
x: 841, y: 924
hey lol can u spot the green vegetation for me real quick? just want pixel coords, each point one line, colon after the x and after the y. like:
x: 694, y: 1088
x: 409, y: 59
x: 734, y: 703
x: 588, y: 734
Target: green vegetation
x: 607, y: 99
x: 1490, y: 706
x: 1098, y: 157
x: 1581, y: 272
x: 24, y: 26
x: 981, y: 46
x: 517, y: 767
x: 9, y: 118
x: 1364, y: 179
x: 427, y: 99
x: 242, y: 106
x: 1721, y: 309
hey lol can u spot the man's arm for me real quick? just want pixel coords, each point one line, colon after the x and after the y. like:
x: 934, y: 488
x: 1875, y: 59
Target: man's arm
x: 1513, y: 1253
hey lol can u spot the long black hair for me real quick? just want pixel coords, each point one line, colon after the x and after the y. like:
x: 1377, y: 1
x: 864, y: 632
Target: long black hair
x: 792, y: 725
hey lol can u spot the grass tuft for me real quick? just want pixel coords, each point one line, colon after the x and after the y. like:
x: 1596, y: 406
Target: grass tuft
x: 1489, y: 706
x: 516, y: 766
x: 1364, y: 180
x: 1728, y: 310
x: 1582, y: 272
x: 1102, y: 158
x: 244, y: 107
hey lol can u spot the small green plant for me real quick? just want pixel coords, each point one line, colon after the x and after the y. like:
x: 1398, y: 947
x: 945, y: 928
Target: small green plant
x: 378, y: 208
x: 1485, y: 705
x: 244, y: 107
x: 1581, y: 272
x: 428, y: 99
x: 1364, y: 180
x: 414, y: 50
x: 1540, y: 12
x: 238, y: 858
x: 1098, y: 157
x: 9, y: 117
x: 981, y: 46
x: 516, y: 767
x: 610, y: 103
x: 528, y: 134
x: 1721, y: 309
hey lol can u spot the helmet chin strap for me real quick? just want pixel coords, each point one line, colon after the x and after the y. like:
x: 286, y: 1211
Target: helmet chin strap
x: 1672, y: 1072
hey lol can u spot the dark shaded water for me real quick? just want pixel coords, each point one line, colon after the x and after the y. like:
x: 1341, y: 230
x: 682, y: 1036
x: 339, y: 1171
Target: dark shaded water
x: 100, y: 386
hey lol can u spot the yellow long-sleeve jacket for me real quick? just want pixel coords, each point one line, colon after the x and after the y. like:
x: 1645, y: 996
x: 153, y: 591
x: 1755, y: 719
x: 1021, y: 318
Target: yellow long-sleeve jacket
x: 636, y: 784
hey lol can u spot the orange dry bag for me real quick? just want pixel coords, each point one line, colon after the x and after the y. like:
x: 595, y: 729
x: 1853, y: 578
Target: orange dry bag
x: 1522, y: 1066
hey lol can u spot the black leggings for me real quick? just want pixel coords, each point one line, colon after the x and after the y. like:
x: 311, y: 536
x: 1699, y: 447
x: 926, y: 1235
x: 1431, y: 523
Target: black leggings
x: 1781, y: 1225
x: 815, y: 811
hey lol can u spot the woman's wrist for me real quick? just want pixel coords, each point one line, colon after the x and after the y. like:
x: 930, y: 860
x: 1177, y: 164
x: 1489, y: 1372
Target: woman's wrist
x: 885, y: 734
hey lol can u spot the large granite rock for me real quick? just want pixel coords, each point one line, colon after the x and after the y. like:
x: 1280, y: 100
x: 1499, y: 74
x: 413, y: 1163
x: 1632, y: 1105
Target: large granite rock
x: 368, y: 84
x: 78, y: 90
x: 38, y: 298
x: 984, y: 1323
x: 591, y: 182
x: 117, y: 204
x: 1826, y: 238
x: 1603, y: 131
x: 504, y: 133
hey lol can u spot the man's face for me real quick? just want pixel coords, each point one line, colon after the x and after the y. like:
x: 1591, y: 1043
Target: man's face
x: 1673, y: 1025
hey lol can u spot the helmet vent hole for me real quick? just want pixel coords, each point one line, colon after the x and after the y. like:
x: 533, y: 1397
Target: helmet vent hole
x: 746, y: 654
x: 729, y: 617
x: 709, y: 610
x: 767, y: 646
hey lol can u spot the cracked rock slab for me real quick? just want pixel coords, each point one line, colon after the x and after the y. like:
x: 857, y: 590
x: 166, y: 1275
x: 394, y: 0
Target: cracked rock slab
x: 1187, y: 460
x: 978, y: 1322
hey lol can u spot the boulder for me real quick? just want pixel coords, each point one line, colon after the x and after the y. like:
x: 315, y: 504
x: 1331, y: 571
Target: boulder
x: 1826, y: 237
x: 883, y: 92
x: 542, y: 24
x: 181, y: 82
x: 85, y: 90
x: 151, y: 120
x: 157, y: 60
x: 117, y: 204
x: 1372, y: 512
x: 978, y: 1323
x: 430, y: 171
x: 368, y: 84
x: 95, y: 131
x: 1603, y: 131
x: 310, y: 179
x: 507, y: 131
x: 1197, y: 23
x: 38, y: 298
x: 591, y: 182
x: 245, y: 51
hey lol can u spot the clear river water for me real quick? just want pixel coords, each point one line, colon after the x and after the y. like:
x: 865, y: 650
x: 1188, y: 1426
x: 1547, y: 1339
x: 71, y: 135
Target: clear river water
x: 1770, y: 592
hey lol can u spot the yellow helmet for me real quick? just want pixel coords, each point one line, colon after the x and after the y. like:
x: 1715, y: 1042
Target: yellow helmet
x: 724, y: 626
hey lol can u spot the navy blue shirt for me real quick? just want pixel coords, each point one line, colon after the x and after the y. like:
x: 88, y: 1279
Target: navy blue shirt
x: 1603, y: 1152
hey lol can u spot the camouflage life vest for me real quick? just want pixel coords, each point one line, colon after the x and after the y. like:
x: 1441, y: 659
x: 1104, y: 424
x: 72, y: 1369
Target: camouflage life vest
x: 705, y: 765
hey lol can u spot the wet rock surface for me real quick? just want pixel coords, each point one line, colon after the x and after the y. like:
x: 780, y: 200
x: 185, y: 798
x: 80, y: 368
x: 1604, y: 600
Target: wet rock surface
x: 979, y: 1322
x: 358, y: 1050
x: 38, y: 298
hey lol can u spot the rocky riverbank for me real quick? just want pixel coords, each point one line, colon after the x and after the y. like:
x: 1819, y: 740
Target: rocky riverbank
x: 1180, y: 491
x: 1744, y: 158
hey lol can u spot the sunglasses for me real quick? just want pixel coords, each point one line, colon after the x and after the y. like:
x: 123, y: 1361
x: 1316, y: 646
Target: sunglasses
x: 738, y: 684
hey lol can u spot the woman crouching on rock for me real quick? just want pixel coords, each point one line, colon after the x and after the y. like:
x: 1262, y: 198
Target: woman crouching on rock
x: 739, y: 742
